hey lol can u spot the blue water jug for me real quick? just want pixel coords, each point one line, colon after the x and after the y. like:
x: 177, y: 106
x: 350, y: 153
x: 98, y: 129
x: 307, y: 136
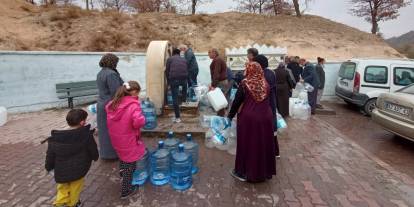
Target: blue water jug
x: 191, y: 95
x: 181, y: 165
x: 169, y: 98
x: 171, y: 143
x: 150, y: 118
x: 191, y: 147
x: 160, y: 165
x: 141, y: 172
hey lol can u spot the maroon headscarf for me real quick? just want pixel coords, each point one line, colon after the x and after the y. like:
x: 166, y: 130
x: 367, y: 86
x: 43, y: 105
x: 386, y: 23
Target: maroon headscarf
x: 255, y: 81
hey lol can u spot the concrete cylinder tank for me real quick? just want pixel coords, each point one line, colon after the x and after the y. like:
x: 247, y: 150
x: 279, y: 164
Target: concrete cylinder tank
x: 157, y: 54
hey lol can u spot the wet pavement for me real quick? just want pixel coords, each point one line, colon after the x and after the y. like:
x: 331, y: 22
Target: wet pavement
x: 395, y: 151
x: 322, y: 164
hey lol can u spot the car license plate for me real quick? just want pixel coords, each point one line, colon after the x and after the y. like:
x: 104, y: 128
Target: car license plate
x: 398, y: 109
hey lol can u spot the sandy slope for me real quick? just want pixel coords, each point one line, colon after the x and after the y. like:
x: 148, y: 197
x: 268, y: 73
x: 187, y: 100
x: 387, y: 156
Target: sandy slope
x: 25, y: 27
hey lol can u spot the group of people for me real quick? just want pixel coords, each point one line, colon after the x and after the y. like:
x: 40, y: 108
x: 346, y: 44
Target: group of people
x: 261, y: 93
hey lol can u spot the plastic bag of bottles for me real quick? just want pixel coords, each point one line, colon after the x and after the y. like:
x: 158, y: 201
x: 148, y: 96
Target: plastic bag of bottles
x: 301, y: 110
x: 200, y: 91
x: 220, y: 134
x: 280, y: 123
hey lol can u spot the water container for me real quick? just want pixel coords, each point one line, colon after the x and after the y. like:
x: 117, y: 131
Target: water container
x: 160, y: 165
x: 191, y: 95
x: 150, y: 118
x: 169, y: 98
x: 190, y: 146
x: 217, y: 99
x: 181, y: 166
x: 3, y: 116
x: 92, y: 108
x: 141, y: 172
x: 171, y: 143
x: 148, y: 109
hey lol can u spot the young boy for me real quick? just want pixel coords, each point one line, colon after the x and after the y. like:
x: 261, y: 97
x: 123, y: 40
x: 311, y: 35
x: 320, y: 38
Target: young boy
x: 70, y: 153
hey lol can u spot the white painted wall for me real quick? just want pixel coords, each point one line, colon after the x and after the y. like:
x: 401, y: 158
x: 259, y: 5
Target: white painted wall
x: 27, y: 79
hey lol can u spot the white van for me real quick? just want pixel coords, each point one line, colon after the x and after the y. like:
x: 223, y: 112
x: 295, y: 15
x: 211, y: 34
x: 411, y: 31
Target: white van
x: 361, y: 81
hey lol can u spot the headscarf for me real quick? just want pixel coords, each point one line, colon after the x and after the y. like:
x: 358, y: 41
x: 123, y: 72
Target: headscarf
x: 262, y: 60
x: 109, y: 60
x: 256, y: 82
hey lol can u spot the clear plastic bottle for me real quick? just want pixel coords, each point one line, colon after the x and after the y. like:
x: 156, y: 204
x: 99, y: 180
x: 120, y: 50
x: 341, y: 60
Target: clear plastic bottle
x: 181, y: 165
x: 160, y: 165
x: 141, y: 172
x: 171, y: 143
x: 190, y: 146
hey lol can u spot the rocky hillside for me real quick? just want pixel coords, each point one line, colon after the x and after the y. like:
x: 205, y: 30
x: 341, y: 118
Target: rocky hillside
x: 28, y: 27
x: 404, y: 44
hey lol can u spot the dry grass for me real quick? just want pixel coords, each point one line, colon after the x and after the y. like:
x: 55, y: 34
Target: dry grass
x: 108, y: 41
x: 67, y: 14
x: 26, y: 8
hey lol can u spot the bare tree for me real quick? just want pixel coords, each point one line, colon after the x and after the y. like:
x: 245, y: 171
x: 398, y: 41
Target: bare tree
x: 152, y: 5
x: 190, y: 4
x: 377, y: 10
x: 297, y: 8
x: 118, y: 5
x: 254, y: 6
x: 275, y: 7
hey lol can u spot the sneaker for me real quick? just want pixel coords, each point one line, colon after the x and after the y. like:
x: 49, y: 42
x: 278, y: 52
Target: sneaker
x: 133, y: 192
x: 319, y: 106
x: 78, y: 204
x: 278, y: 156
x: 235, y: 175
x: 177, y: 120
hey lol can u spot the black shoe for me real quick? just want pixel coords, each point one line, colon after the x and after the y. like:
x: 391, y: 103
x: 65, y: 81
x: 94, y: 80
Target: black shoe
x: 131, y: 193
x: 238, y: 177
x: 78, y: 204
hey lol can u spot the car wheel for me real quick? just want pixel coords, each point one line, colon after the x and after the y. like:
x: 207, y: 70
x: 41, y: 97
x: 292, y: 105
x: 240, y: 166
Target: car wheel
x: 370, y: 105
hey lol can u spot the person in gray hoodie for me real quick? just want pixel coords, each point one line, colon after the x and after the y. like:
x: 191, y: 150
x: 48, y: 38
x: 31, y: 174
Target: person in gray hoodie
x: 321, y: 73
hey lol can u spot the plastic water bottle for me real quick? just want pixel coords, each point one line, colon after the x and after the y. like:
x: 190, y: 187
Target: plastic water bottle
x: 171, y: 143
x: 141, y: 172
x: 169, y: 98
x: 160, y: 165
x: 150, y: 118
x: 191, y: 147
x: 148, y: 109
x: 181, y: 176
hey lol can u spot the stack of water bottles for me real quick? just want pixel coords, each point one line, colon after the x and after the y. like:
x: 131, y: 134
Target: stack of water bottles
x: 221, y: 134
x: 148, y: 109
x: 172, y: 162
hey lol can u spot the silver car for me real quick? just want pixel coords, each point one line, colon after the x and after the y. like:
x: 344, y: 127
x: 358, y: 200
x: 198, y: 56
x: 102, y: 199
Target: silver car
x: 394, y: 112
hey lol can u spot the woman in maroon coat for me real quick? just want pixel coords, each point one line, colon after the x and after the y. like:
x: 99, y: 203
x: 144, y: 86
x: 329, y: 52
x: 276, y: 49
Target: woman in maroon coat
x: 255, y: 157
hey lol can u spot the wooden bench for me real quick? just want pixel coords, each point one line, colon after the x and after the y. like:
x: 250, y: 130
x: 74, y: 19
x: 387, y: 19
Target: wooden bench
x: 76, y: 89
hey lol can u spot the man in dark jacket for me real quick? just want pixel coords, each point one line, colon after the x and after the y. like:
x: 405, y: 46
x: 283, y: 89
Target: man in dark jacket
x: 70, y: 154
x: 218, y: 72
x: 311, y: 76
x: 321, y: 75
x: 192, y: 65
x: 177, y: 75
x: 296, y: 69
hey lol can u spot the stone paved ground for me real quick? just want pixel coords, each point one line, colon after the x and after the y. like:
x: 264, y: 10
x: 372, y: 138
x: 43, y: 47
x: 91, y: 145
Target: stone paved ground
x: 319, y: 167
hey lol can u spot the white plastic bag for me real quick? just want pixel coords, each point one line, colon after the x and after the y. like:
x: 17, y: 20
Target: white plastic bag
x: 303, y: 96
x: 217, y: 99
x: 220, y: 135
x: 301, y: 110
x: 309, y: 87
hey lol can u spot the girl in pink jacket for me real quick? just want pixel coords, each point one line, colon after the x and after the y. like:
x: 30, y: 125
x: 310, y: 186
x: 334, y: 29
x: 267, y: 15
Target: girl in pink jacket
x: 125, y: 119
